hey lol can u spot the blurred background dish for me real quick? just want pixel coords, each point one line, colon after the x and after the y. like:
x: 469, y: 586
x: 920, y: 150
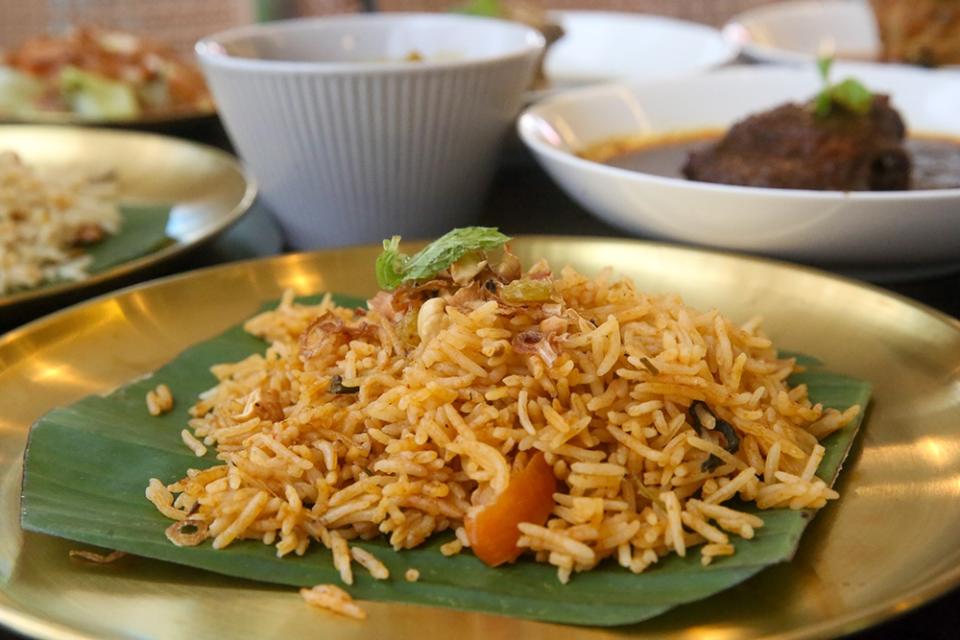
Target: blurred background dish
x: 797, y: 31
x: 525, y: 12
x: 924, y: 32
x: 599, y: 46
x: 360, y: 127
x: 90, y: 74
x: 192, y: 191
x: 711, y: 12
x: 921, y: 32
x: 591, y: 47
x: 172, y: 26
x: 903, y: 229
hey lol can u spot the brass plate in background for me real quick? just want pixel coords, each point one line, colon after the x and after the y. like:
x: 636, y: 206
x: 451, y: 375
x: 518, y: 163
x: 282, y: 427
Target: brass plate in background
x: 887, y: 545
x: 172, y: 119
x: 206, y: 187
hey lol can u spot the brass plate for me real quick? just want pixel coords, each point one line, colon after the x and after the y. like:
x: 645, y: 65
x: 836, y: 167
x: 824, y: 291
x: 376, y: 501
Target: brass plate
x: 206, y: 186
x: 887, y: 545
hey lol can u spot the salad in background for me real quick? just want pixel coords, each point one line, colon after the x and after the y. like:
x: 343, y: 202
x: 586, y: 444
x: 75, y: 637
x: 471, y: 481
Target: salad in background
x: 924, y: 32
x: 98, y: 74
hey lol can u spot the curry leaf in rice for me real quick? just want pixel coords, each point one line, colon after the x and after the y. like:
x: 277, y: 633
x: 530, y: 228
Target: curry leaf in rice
x: 58, y: 489
x: 337, y: 386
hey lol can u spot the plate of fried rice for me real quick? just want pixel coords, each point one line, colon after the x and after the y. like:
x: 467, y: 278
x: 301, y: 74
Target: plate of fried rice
x: 524, y: 428
x: 73, y: 216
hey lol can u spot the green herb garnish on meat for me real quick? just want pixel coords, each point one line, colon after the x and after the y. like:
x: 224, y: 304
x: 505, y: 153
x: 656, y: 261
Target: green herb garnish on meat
x: 395, y: 268
x: 849, y: 95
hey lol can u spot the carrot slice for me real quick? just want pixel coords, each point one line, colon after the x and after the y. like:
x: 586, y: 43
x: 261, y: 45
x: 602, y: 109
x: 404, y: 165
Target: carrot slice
x: 492, y: 530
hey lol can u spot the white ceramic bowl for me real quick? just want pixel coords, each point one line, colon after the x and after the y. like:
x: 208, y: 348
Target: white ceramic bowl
x: 349, y: 142
x: 878, y: 229
x: 801, y: 30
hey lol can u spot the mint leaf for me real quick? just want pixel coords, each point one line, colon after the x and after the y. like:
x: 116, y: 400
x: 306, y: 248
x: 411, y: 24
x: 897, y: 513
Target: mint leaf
x: 394, y: 268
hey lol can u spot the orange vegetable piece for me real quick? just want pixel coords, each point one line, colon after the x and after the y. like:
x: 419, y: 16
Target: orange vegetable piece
x: 492, y: 530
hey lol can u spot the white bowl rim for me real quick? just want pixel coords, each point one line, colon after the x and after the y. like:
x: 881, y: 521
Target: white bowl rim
x: 210, y: 48
x: 728, y: 49
x: 653, y: 19
x: 534, y: 113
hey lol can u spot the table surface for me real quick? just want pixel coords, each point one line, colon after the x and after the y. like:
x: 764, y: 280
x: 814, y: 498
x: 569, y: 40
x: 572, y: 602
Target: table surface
x: 523, y: 200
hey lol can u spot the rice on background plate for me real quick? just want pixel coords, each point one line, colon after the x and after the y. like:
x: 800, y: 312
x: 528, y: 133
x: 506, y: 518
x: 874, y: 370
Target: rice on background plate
x: 47, y: 217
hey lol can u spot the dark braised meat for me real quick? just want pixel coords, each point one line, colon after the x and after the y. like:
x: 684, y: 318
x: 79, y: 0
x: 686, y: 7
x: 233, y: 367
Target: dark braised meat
x: 790, y: 148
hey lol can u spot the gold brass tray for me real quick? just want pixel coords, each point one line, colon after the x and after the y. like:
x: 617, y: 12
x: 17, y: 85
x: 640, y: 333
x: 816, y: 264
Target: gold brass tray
x: 889, y: 543
x: 170, y: 119
x: 206, y: 187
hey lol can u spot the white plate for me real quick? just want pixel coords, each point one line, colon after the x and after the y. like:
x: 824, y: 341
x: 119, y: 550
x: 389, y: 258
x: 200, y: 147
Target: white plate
x: 800, y: 30
x: 600, y: 46
x: 903, y: 229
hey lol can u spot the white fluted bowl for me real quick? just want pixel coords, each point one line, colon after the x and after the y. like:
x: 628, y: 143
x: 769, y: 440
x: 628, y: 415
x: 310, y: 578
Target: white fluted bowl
x: 349, y: 142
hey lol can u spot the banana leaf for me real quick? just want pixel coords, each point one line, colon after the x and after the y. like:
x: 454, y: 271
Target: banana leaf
x: 144, y: 231
x: 97, y: 497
